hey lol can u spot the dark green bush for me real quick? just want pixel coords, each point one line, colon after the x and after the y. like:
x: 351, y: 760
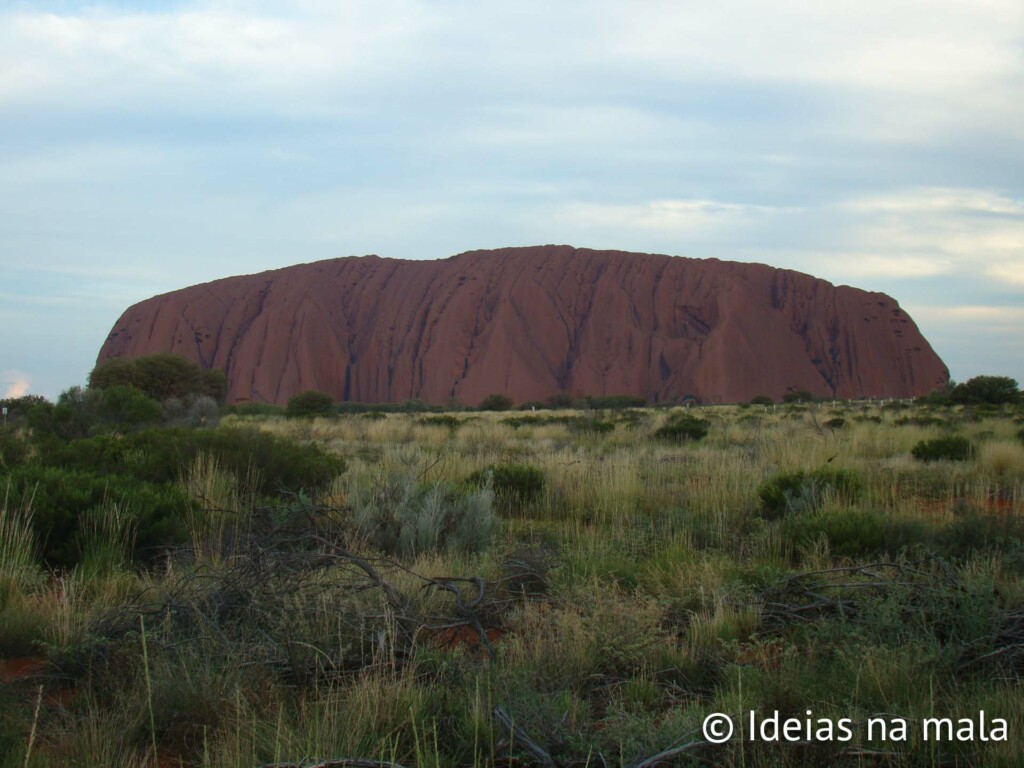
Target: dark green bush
x: 309, y: 403
x: 160, y: 377
x: 496, y: 402
x: 837, y: 422
x: 951, y: 448
x: 441, y: 420
x: 14, y: 449
x: 512, y: 483
x: 159, y: 456
x: 806, y: 491
x: 255, y: 409
x: 761, y: 400
x: 683, y: 428
x: 993, y: 390
x: 60, y: 498
x: 593, y: 426
x: 850, y: 532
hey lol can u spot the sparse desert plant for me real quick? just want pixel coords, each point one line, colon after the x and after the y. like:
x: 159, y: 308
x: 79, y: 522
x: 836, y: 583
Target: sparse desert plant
x: 950, y: 448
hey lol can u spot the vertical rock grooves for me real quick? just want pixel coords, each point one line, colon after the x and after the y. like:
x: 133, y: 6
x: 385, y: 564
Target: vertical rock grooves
x: 533, y: 322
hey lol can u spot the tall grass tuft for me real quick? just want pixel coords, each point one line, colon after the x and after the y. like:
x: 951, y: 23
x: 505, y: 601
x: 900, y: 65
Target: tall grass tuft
x: 17, y: 547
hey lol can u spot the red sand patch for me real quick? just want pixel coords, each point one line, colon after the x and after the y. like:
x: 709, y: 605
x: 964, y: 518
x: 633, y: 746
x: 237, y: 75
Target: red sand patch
x: 16, y: 670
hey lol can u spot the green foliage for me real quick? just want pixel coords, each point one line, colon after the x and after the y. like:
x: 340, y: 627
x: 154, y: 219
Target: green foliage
x: 513, y: 484
x: 610, y: 402
x: 83, y: 412
x: 160, y: 377
x: 800, y: 491
x: 496, y: 402
x: 993, y: 390
x: 837, y: 422
x: 255, y: 409
x: 14, y: 448
x: 62, y: 499
x: 309, y: 403
x: 850, y: 532
x: 160, y: 455
x: 950, y: 448
x: 442, y: 420
x: 761, y: 400
x: 683, y: 428
x: 404, y: 517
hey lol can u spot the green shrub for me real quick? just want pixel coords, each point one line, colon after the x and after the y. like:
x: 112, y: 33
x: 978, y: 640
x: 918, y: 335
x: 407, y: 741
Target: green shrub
x: 593, y: 426
x: 761, y: 400
x: 63, y: 498
x: 951, y: 448
x: 837, y: 422
x: 404, y: 517
x: 496, y: 403
x: 255, y: 409
x: 160, y: 377
x: 14, y: 449
x: 850, y: 532
x: 441, y: 420
x: 1020, y: 435
x: 309, y: 403
x: 160, y: 455
x: 993, y: 390
x: 806, y: 491
x: 513, y: 484
x: 683, y: 428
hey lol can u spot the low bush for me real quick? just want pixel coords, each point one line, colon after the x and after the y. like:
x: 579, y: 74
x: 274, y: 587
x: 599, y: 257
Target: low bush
x: 496, y: 402
x: 309, y: 403
x: 837, y: 422
x: 951, y: 448
x: 513, y: 484
x: 806, y: 491
x: 683, y: 428
x: 160, y: 455
x: 62, y: 499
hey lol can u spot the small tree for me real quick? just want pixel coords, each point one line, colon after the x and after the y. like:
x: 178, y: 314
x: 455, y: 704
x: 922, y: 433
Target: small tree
x: 994, y: 390
x: 309, y: 403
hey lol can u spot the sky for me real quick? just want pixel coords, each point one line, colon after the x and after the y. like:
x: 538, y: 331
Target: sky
x: 148, y: 146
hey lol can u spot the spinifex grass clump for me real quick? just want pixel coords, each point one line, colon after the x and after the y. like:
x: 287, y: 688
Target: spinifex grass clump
x: 951, y: 448
x: 683, y: 428
x: 806, y: 491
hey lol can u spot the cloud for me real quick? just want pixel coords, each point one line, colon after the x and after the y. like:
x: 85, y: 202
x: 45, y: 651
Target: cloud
x: 15, y: 383
x: 965, y: 231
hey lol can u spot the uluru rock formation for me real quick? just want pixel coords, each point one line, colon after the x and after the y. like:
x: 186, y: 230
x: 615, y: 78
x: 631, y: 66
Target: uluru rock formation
x: 533, y: 322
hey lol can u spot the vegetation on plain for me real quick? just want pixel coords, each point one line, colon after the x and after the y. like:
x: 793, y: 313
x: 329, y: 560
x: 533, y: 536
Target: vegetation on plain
x: 233, y: 587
